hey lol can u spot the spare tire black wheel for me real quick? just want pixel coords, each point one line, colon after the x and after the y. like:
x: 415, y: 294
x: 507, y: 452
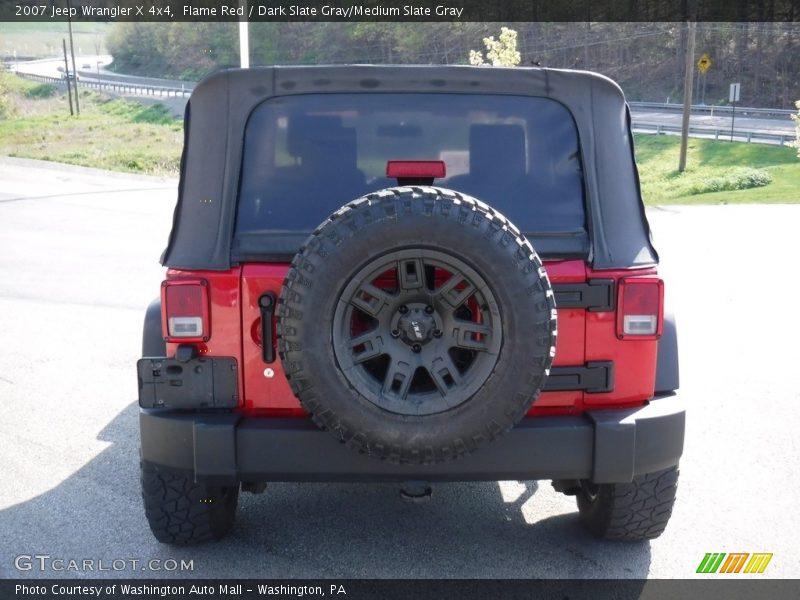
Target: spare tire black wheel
x: 416, y: 325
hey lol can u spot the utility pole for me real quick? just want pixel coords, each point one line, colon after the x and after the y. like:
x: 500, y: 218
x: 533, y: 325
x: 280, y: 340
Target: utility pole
x: 734, y: 98
x: 687, y: 96
x: 72, y: 51
x: 66, y: 74
x: 244, y: 37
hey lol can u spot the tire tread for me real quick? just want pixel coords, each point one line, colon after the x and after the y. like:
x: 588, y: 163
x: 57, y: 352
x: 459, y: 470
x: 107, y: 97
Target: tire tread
x: 635, y: 511
x: 182, y: 512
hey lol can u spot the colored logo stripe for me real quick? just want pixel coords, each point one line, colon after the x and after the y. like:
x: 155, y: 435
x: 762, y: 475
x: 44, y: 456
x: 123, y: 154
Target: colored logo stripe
x: 734, y: 562
x: 712, y: 562
x: 758, y: 563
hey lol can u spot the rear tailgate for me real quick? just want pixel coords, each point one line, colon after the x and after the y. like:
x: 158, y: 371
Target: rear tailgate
x: 266, y: 390
x: 593, y: 367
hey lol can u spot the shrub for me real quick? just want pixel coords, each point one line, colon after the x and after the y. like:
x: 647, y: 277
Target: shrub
x: 741, y: 178
x: 42, y: 90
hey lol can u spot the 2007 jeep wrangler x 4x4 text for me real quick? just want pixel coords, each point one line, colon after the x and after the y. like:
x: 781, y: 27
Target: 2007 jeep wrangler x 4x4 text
x: 381, y: 273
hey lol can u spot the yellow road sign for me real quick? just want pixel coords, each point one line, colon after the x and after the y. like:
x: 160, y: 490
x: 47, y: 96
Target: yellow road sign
x: 704, y: 64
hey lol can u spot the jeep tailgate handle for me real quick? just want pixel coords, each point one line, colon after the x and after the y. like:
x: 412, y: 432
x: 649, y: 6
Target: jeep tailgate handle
x: 266, y: 304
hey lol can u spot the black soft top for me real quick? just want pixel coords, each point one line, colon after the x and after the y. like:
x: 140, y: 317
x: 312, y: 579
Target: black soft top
x: 219, y: 107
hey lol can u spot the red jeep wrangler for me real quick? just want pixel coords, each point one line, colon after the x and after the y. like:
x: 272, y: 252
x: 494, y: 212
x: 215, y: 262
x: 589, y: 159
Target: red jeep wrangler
x: 365, y: 276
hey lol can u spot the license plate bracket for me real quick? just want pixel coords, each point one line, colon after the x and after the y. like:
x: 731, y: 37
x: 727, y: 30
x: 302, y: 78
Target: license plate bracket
x: 201, y: 382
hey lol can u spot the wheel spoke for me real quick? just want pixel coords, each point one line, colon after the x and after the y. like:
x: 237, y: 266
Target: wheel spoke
x: 444, y: 373
x: 411, y: 274
x: 450, y: 295
x: 470, y: 335
x: 398, y: 379
x: 371, y: 299
x: 372, y: 342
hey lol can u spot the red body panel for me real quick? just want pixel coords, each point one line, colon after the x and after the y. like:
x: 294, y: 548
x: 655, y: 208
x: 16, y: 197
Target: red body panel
x: 263, y: 394
x: 225, y: 314
x: 583, y: 336
x: 634, y: 360
x: 569, y: 341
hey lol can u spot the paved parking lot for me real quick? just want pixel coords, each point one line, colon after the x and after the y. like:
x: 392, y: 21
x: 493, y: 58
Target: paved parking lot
x: 78, y: 264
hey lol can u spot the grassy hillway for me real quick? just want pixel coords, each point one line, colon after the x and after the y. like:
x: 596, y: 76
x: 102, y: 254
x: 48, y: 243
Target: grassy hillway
x: 717, y: 172
x: 112, y: 134
x: 121, y: 135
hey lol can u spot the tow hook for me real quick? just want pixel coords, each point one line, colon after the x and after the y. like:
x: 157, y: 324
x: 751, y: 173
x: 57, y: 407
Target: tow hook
x: 416, y: 491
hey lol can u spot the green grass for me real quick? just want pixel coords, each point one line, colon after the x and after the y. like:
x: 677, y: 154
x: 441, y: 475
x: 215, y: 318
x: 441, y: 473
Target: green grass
x: 112, y: 134
x: 717, y: 172
x: 120, y: 135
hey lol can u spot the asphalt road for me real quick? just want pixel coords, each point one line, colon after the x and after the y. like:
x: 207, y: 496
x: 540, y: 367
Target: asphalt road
x: 777, y: 126
x: 78, y: 264
x: 49, y: 67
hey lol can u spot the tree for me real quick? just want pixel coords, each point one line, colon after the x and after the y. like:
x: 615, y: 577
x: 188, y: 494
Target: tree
x: 501, y: 52
x: 640, y: 56
x: 796, y: 119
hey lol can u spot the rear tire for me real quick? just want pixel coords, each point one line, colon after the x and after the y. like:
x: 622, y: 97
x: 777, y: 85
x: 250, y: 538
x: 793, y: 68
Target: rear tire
x: 631, y: 512
x: 183, y: 512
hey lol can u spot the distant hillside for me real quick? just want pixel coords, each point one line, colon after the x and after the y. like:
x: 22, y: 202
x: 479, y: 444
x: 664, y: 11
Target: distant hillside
x: 647, y: 59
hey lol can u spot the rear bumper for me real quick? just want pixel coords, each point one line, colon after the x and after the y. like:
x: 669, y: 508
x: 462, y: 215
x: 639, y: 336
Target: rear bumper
x: 608, y: 446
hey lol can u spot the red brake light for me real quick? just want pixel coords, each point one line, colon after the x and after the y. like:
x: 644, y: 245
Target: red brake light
x: 185, y: 310
x: 422, y: 169
x: 640, y: 308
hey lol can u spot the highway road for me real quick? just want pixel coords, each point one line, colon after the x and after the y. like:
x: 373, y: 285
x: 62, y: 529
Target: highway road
x: 647, y: 118
x: 78, y: 265
x: 54, y: 67
x: 92, y: 68
x: 773, y: 125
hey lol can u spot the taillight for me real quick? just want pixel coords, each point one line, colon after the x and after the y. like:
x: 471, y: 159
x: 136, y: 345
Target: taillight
x: 185, y: 310
x: 640, y: 308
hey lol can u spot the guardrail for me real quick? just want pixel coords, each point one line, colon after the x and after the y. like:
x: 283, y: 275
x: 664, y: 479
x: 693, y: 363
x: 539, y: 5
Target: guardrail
x: 135, y: 89
x: 694, y: 131
x: 151, y: 90
x: 756, y: 137
x: 702, y: 108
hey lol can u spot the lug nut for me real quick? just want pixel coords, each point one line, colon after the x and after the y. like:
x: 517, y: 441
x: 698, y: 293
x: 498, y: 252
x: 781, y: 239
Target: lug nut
x: 416, y: 348
x: 429, y: 309
x: 437, y: 333
x: 395, y: 333
x: 403, y: 309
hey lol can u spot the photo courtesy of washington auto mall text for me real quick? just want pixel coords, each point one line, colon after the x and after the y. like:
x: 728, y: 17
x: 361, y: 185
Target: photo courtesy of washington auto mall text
x: 177, y: 590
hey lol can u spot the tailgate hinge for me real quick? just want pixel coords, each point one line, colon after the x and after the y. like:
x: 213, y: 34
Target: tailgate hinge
x: 594, y: 377
x: 596, y: 295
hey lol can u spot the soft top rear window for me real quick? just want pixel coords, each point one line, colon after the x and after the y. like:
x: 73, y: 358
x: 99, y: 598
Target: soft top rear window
x: 307, y: 155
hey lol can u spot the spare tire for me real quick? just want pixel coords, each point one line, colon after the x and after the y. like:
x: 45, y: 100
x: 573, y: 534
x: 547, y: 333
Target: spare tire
x: 416, y: 325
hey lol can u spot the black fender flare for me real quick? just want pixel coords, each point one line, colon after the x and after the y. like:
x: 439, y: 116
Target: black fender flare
x: 153, y: 343
x: 667, y: 367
